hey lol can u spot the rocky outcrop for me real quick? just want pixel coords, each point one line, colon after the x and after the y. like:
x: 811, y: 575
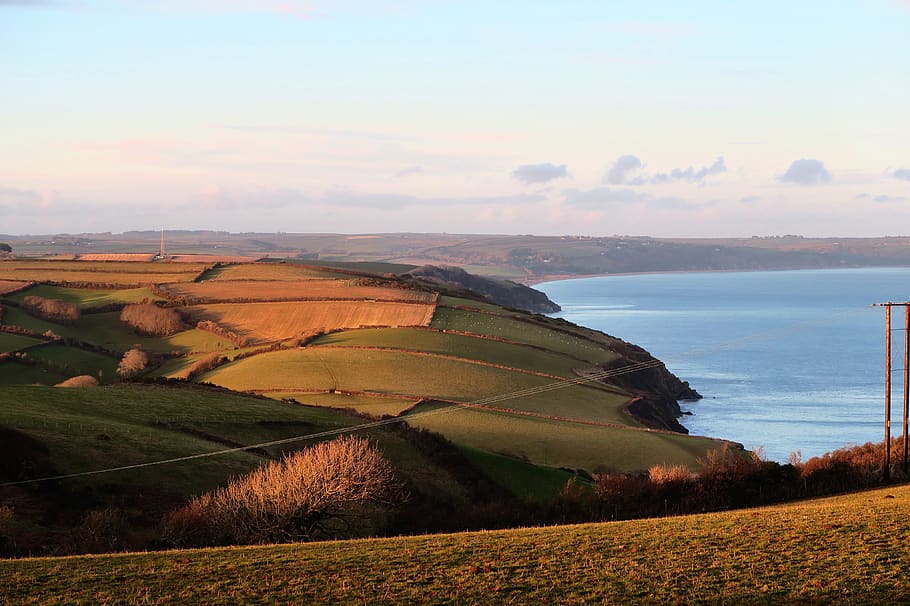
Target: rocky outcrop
x: 657, y: 390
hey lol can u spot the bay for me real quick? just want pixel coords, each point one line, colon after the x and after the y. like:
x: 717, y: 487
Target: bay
x: 787, y: 361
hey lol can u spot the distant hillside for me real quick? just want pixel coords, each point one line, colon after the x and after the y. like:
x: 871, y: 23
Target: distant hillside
x: 500, y: 292
x: 524, y: 258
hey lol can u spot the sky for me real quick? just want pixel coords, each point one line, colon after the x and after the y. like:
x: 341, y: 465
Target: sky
x: 661, y: 118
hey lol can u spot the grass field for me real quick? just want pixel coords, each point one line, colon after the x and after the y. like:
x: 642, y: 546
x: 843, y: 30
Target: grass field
x: 12, y: 342
x: 594, y: 448
x: 276, y: 321
x: 520, y: 332
x: 14, y: 373
x: 459, y: 302
x: 471, y: 348
x: 375, y: 405
x: 850, y: 549
x: 270, y: 271
x: 148, y: 423
x: 405, y: 373
x: 283, y: 290
x: 106, y: 330
x: 73, y: 361
x: 87, y: 298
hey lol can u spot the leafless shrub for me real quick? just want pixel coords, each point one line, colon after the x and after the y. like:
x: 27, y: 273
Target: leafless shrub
x: 666, y: 474
x: 314, y: 493
x: 133, y: 362
x: 149, y: 319
x: 55, y: 310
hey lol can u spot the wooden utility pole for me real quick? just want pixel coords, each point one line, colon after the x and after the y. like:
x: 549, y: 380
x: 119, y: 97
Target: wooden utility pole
x: 906, y: 378
x: 886, y: 468
x: 887, y: 463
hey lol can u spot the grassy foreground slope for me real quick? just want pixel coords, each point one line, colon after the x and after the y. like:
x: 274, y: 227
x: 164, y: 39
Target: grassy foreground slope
x: 850, y: 550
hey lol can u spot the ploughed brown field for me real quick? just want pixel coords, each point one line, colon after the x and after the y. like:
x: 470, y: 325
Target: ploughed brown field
x: 7, y: 286
x: 288, y: 320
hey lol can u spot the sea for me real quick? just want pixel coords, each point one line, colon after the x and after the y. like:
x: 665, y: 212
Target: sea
x: 789, y: 362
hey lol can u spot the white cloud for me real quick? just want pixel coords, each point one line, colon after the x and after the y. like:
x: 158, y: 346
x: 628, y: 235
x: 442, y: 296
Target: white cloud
x: 902, y: 173
x: 540, y: 173
x: 621, y: 168
x: 623, y: 172
x: 806, y: 171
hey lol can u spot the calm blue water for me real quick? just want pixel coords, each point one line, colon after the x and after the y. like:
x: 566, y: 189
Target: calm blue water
x: 788, y: 361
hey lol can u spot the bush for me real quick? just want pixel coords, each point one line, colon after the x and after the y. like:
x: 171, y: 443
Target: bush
x: 317, y: 492
x: 133, y: 362
x: 54, y: 310
x: 79, y: 381
x: 149, y: 319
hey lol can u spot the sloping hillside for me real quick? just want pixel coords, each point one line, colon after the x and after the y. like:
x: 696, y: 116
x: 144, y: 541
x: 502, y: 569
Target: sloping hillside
x: 845, y: 550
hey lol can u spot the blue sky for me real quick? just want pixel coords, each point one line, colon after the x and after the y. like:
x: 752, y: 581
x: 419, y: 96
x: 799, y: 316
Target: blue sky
x: 597, y: 118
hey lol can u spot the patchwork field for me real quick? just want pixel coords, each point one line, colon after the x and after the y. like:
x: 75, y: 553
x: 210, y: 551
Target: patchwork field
x: 519, y: 331
x: 286, y: 290
x: 277, y: 321
x: 462, y: 346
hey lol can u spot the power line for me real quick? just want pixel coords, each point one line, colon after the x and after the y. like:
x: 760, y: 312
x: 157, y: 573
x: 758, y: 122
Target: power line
x: 590, y: 378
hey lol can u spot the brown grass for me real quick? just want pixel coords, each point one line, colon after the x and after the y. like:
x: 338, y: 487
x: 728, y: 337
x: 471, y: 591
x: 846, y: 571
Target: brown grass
x: 211, y: 259
x: 80, y: 381
x: 275, y: 321
x: 276, y: 290
x: 127, y: 257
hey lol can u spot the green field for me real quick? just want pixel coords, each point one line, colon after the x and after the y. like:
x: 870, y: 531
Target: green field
x: 73, y: 361
x: 594, y: 448
x: 471, y: 348
x: 12, y: 342
x: 521, y: 332
x: 846, y: 550
x: 404, y: 373
x: 376, y: 406
x: 107, y: 331
x: 87, y: 298
x: 14, y: 373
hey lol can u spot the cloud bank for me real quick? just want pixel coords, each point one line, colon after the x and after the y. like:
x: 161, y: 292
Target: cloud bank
x: 902, y: 173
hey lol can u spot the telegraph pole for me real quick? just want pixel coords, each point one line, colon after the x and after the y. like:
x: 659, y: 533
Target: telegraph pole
x: 906, y: 379
x: 886, y: 469
x: 887, y: 465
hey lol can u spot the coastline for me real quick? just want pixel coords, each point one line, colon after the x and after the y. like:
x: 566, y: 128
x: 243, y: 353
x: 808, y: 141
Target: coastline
x: 533, y: 281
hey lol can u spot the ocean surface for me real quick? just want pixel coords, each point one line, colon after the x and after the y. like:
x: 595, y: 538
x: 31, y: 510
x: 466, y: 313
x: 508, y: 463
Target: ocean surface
x: 786, y: 360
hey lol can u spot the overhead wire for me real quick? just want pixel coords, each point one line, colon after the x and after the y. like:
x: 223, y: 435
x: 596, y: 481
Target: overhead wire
x: 551, y: 386
x: 588, y: 378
